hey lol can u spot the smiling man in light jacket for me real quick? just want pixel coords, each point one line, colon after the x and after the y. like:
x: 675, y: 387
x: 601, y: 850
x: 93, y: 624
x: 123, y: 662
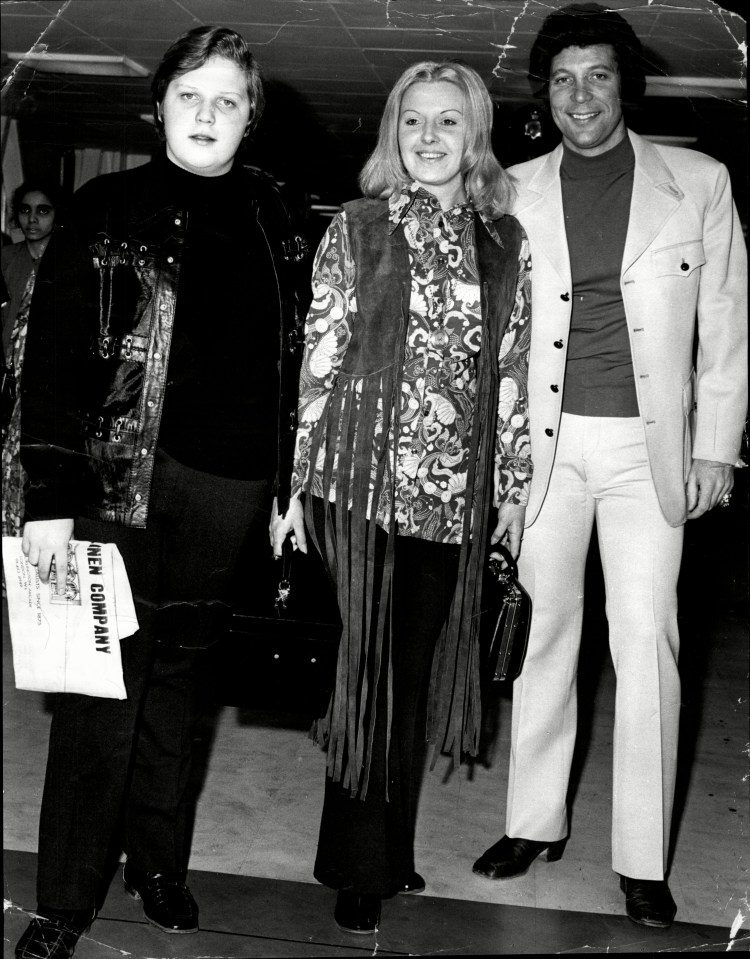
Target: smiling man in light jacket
x: 636, y: 249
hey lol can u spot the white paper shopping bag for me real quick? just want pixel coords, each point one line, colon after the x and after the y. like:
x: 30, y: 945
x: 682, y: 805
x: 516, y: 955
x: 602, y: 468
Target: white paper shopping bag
x: 70, y: 643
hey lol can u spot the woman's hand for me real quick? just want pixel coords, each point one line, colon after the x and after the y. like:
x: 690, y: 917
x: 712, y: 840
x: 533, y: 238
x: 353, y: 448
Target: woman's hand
x: 46, y: 542
x: 292, y: 522
x: 510, y: 517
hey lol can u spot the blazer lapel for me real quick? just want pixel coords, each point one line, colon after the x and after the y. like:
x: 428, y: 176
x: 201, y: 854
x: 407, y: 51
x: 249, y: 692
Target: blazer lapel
x: 540, y: 210
x: 656, y: 196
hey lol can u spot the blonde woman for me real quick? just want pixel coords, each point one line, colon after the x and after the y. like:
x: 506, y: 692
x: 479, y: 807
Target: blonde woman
x: 412, y: 420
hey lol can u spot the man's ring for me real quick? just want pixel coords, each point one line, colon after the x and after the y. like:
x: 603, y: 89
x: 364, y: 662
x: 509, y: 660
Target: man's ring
x: 724, y: 501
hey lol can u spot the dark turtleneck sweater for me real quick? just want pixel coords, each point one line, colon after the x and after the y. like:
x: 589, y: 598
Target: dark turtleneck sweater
x: 221, y: 399
x: 596, y: 192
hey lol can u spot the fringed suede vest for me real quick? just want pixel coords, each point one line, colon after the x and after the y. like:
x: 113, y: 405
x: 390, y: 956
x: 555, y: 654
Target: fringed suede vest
x: 370, y: 374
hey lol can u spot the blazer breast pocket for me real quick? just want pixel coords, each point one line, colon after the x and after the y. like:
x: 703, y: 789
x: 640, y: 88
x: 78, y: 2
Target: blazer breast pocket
x: 679, y: 259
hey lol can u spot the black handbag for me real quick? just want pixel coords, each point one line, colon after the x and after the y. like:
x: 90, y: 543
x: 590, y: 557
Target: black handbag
x: 509, y: 617
x: 283, y: 647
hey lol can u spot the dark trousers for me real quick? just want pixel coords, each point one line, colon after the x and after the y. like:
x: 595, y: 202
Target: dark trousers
x: 368, y: 845
x: 131, y: 758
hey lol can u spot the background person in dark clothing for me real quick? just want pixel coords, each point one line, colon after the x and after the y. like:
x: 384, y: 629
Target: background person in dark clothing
x: 151, y: 412
x: 36, y: 211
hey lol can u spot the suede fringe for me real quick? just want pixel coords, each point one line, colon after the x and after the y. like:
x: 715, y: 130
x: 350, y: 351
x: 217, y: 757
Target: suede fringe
x: 347, y: 427
x: 348, y: 728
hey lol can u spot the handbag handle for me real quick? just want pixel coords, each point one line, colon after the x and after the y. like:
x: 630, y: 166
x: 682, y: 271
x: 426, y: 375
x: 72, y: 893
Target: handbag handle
x: 285, y: 584
x: 512, y: 566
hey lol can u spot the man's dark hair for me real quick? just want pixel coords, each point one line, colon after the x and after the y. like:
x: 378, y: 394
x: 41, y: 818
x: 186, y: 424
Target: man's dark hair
x: 584, y: 25
x: 192, y: 50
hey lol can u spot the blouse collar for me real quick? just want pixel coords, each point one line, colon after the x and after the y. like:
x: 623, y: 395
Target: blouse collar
x: 415, y: 197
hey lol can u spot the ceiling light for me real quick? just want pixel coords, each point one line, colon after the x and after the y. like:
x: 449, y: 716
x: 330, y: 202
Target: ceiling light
x: 695, y: 87
x: 81, y: 63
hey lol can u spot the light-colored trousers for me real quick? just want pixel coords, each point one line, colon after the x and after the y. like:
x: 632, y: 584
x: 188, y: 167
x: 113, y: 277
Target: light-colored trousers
x: 601, y: 472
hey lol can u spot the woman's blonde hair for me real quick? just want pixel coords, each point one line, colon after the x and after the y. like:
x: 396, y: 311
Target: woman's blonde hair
x: 487, y: 185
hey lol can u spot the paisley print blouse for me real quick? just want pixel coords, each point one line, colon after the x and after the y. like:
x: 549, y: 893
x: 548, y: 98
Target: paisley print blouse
x: 439, y: 377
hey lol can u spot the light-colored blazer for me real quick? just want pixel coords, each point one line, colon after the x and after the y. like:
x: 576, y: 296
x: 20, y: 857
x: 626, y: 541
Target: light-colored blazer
x: 684, y: 271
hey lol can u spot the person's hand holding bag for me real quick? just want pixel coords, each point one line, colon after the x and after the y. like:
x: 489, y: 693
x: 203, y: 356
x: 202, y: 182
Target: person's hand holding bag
x: 46, y: 542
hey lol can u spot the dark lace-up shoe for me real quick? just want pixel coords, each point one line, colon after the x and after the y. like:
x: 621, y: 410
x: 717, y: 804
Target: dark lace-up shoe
x: 414, y: 884
x: 167, y: 902
x: 355, y: 912
x: 54, y: 933
x: 648, y: 902
x: 510, y: 858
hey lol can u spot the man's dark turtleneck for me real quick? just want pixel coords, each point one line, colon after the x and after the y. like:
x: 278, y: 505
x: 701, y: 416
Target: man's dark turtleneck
x: 596, y: 192
x: 221, y: 399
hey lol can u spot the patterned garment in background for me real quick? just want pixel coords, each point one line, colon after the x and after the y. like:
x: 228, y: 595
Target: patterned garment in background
x: 14, y: 475
x: 439, y: 381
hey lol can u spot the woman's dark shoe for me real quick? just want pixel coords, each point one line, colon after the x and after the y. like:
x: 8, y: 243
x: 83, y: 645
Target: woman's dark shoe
x: 510, y: 858
x: 54, y: 933
x: 648, y: 902
x: 414, y: 884
x: 167, y: 902
x: 355, y: 912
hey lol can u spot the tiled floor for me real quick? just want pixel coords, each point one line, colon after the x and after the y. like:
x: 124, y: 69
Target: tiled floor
x: 260, y: 792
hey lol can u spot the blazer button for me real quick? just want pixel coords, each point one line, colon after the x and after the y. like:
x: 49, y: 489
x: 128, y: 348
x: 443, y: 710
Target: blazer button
x: 555, y: 388
x: 565, y: 297
x: 685, y: 266
x: 549, y: 432
x: 559, y: 344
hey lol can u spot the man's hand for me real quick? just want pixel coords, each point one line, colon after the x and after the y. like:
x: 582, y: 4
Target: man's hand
x: 707, y: 484
x: 510, y: 517
x: 293, y: 522
x: 46, y: 542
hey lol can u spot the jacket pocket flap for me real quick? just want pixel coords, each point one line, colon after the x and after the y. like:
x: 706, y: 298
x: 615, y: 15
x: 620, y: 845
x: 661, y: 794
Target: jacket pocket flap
x: 680, y: 259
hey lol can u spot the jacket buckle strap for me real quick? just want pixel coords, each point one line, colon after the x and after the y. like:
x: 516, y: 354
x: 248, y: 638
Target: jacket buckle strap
x: 133, y: 346
x: 295, y: 249
x: 294, y: 340
x: 116, y: 430
x: 106, y: 346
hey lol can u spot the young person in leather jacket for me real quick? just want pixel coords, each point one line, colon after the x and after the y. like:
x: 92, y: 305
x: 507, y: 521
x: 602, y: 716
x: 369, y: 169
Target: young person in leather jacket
x: 162, y: 323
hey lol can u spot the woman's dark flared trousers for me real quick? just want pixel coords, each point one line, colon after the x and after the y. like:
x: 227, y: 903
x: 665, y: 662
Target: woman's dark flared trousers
x: 131, y: 758
x: 368, y: 845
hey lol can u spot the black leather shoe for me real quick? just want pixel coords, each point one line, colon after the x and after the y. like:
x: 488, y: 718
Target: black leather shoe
x: 167, y: 902
x: 414, y: 884
x: 54, y: 933
x: 357, y: 913
x: 510, y: 858
x: 648, y: 902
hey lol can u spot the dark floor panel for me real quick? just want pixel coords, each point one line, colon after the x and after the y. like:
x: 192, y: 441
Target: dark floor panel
x: 244, y: 916
x: 112, y: 938
x: 430, y: 926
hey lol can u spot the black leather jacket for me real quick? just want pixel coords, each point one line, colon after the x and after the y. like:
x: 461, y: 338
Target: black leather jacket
x: 99, y: 337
